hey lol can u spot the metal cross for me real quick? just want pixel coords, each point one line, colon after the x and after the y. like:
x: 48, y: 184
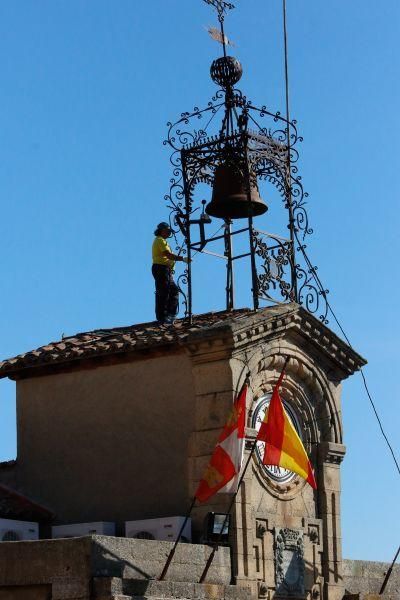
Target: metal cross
x: 221, y: 7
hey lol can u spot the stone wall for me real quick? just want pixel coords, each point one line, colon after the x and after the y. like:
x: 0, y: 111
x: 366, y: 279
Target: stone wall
x: 131, y: 440
x: 71, y: 568
x: 107, y: 443
x: 366, y: 577
x: 103, y: 566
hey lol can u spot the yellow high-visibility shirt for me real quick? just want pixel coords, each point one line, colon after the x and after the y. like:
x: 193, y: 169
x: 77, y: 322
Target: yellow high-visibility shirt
x: 160, y: 245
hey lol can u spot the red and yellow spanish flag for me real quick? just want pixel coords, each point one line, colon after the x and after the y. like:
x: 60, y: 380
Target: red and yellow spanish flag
x: 283, y: 447
x: 223, y: 470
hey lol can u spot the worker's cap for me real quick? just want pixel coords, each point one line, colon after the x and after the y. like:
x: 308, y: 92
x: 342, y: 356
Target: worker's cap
x: 163, y: 225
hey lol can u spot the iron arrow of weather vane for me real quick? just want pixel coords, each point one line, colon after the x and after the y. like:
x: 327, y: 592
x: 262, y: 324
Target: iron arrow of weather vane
x: 221, y: 7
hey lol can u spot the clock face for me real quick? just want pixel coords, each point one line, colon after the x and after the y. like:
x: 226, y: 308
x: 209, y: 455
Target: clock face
x: 277, y: 474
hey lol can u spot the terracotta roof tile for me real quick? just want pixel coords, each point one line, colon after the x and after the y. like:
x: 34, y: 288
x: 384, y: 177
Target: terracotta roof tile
x: 102, y: 343
x: 8, y: 464
x: 111, y: 341
x: 14, y: 505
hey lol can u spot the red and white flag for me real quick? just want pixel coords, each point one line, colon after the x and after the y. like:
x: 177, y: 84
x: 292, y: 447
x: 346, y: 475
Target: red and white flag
x: 223, y: 470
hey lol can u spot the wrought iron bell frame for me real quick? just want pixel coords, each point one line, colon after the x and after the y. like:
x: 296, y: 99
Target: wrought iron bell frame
x: 267, y: 152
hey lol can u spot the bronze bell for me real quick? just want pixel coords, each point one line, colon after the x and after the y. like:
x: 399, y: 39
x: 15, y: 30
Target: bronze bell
x: 230, y: 198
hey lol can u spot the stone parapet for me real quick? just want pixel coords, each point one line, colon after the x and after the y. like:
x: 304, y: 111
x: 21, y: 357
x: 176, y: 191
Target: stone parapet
x: 69, y: 566
x: 364, y: 578
x: 105, y: 588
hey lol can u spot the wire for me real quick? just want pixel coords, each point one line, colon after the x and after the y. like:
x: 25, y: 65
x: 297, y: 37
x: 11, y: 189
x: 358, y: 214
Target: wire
x: 213, y: 115
x: 323, y: 293
x: 210, y: 239
x: 368, y: 394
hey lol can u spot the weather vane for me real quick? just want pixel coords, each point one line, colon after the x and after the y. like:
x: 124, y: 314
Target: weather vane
x: 221, y: 7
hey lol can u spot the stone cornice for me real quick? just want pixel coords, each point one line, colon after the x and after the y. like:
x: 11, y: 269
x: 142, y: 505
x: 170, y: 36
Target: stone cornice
x: 329, y: 452
x: 278, y: 322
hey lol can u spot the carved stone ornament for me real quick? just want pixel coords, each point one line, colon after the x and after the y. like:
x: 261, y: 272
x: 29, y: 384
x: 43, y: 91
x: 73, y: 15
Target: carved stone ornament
x: 261, y: 528
x: 262, y: 590
x: 313, y: 534
x: 289, y: 563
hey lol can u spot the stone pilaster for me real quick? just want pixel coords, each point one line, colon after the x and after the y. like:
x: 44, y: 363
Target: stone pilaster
x: 244, y: 555
x: 330, y: 458
x: 214, y: 393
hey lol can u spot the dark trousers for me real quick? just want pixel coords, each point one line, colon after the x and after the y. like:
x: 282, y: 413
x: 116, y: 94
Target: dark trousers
x: 167, y: 293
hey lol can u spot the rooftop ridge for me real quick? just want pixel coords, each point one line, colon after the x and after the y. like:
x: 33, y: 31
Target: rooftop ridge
x: 246, y: 326
x: 104, y: 341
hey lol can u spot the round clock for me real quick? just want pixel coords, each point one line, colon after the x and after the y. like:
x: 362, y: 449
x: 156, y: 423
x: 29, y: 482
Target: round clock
x: 277, y: 474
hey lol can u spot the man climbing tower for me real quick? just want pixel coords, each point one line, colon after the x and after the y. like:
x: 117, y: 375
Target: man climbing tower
x: 167, y: 292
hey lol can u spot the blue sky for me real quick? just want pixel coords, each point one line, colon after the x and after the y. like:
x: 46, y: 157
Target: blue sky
x: 87, y: 89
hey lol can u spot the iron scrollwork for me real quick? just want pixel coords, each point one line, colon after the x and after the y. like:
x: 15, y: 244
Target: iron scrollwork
x: 182, y: 282
x: 311, y: 294
x: 265, y: 144
x: 221, y: 6
x: 276, y: 254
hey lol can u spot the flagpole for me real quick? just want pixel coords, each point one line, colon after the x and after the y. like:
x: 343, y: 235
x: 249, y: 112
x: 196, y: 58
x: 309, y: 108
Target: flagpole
x: 216, y: 544
x: 388, y: 574
x: 178, y: 539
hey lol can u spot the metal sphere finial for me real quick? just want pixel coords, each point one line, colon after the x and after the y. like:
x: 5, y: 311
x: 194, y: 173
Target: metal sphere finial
x: 226, y: 71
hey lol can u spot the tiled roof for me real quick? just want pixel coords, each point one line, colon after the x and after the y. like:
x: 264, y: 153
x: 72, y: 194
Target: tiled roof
x: 244, y: 324
x: 101, y: 342
x: 14, y: 505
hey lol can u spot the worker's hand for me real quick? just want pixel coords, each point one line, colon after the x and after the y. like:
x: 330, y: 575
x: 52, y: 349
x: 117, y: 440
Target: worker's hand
x: 186, y: 260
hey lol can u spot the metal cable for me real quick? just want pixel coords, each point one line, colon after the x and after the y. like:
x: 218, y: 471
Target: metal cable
x: 323, y: 293
x: 209, y: 239
x: 212, y: 116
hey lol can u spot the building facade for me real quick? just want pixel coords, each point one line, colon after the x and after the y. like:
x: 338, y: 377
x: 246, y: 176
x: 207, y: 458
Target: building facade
x: 117, y: 425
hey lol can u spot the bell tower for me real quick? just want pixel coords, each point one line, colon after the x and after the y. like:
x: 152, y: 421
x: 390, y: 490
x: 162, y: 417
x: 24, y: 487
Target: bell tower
x: 232, y: 147
x: 133, y: 413
x: 286, y: 538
